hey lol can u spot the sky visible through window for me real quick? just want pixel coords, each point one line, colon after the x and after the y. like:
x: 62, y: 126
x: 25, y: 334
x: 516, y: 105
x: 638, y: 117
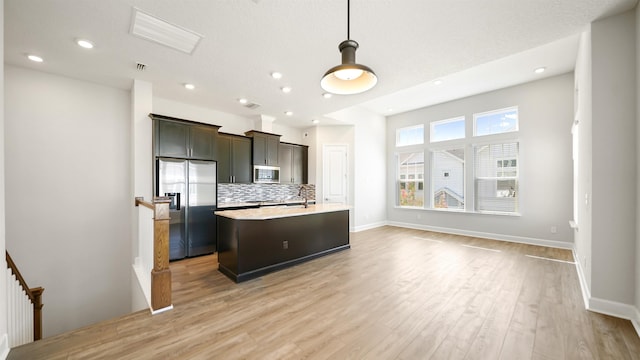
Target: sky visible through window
x: 497, y: 122
x: 447, y: 129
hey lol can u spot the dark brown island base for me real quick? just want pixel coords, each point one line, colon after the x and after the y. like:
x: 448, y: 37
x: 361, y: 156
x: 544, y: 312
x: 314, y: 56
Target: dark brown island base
x: 254, y: 242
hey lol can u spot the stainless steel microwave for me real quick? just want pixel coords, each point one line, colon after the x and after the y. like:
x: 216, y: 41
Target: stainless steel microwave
x: 266, y: 174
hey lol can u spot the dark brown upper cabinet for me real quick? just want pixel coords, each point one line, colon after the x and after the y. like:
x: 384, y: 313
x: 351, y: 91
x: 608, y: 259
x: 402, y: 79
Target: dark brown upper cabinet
x: 265, y: 147
x: 293, y: 162
x: 185, y: 140
x: 234, y: 159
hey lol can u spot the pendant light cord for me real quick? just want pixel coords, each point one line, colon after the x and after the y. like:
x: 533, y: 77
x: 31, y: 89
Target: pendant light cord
x: 348, y: 36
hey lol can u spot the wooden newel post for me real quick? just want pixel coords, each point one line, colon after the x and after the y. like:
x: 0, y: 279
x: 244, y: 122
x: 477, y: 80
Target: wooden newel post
x: 160, y: 274
x: 37, y: 313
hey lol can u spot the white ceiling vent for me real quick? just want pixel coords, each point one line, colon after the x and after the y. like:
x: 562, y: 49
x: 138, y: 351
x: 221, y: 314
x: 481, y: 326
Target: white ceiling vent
x: 141, y: 66
x: 153, y: 29
x: 252, y: 105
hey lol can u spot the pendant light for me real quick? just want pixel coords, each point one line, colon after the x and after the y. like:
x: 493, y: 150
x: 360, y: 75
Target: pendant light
x: 348, y: 78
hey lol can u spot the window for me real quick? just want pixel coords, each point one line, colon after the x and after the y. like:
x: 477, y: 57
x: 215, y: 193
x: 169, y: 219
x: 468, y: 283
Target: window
x: 412, y: 135
x: 496, y: 122
x: 411, y: 179
x: 449, y: 129
x: 447, y: 179
x: 496, y: 177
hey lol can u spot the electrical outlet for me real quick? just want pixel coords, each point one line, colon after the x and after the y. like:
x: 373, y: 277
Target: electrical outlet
x: 554, y: 229
x: 285, y: 244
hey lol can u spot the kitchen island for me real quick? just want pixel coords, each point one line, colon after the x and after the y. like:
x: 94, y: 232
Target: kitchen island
x: 257, y: 241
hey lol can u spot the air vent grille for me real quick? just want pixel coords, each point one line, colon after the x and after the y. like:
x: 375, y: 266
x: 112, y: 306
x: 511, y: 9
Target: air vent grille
x: 151, y: 28
x: 141, y: 66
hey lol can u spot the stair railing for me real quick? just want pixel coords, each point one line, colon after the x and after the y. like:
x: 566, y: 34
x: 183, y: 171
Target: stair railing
x: 24, y: 305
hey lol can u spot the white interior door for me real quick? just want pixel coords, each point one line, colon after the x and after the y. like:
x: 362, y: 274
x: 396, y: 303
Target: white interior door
x: 334, y: 174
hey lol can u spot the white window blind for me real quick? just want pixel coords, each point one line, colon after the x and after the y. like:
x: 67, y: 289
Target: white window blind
x: 447, y: 179
x: 496, y: 177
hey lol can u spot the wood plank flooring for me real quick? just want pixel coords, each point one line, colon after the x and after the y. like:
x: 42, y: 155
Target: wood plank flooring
x: 396, y: 294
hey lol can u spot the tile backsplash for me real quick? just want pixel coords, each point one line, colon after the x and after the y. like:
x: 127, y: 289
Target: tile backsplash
x: 235, y: 193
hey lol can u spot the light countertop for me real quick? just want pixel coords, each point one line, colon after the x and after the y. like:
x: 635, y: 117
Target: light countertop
x: 274, y: 212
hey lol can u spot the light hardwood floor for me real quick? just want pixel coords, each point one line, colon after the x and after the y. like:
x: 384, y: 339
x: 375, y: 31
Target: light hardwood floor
x: 396, y: 294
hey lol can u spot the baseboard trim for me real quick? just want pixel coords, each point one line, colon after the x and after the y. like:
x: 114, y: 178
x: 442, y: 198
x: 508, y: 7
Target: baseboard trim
x: 607, y: 307
x: 166, y: 308
x: 4, y: 346
x: 586, y: 294
x: 368, y: 226
x: 485, y: 235
x: 613, y: 308
x: 636, y: 322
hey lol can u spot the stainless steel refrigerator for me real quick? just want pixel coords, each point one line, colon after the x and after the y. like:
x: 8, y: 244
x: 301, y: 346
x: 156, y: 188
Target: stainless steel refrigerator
x: 191, y: 185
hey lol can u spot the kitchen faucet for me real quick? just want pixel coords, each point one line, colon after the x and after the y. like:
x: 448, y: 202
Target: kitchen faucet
x: 302, y: 187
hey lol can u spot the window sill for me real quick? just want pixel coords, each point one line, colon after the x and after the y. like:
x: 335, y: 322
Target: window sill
x: 456, y: 211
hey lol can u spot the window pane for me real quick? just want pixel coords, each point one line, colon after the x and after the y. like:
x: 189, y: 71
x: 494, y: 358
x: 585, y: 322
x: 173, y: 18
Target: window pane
x: 410, y: 179
x: 496, y: 177
x: 447, y: 129
x: 447, y: 174
x: 496, y: 122
x: 412, y: 135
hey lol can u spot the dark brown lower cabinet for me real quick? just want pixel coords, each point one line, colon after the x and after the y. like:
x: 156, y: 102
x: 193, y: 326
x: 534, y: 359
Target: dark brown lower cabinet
x: 250, y: 248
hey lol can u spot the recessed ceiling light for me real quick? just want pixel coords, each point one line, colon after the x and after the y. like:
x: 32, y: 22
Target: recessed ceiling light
x: 85, y: 43
x: 242, y: 101
x: 285, y: 89
x: 389, y: 109
x: 438, y: 82
x: 288, y: 113
x: 315, y: 121
x: 189, y: 86
x: 539, y: 70
x: 276, y: 75
x: 35, y: 58
x: 327, y: 95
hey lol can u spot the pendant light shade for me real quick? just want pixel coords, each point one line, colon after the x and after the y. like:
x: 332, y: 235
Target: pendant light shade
x: 348, y: 78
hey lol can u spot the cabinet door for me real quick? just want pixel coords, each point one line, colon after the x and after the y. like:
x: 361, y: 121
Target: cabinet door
x: 284, y: 159
x: 223, y: 155
x: 202, y: 142
x: 299, y: 164
x: 241, y: 155
x: 259, y: 150
x: 173, y: 139
x: 272, y: 145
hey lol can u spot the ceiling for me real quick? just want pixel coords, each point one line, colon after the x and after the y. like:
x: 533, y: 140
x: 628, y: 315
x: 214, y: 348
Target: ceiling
x: 472, y: 46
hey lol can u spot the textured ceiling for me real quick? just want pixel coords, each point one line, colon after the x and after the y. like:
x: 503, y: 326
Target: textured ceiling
x: 472, y: 45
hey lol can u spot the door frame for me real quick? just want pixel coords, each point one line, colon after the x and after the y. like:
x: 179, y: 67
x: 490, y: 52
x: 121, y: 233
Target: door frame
x: 345, y: 149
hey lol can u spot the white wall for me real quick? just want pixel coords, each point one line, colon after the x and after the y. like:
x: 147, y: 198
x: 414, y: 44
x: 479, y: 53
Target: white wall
x: 370, y: 203
x: 614, y: 158
x: 4, y: 345
x: 368, y: 177
x: 546, y: 115
x: 230, y: 123
x: 582, y: 100
x: 141, y: 171
x: 68, y: 194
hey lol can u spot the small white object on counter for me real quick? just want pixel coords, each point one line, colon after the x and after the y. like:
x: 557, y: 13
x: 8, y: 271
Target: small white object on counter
x: 274, y: 212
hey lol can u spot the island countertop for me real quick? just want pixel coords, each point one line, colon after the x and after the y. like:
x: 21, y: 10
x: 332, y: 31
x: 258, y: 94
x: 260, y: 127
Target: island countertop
x: 275, y: 212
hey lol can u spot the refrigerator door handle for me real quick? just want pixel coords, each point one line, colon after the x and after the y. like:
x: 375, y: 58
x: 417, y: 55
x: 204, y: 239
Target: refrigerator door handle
x: 178, y: 201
